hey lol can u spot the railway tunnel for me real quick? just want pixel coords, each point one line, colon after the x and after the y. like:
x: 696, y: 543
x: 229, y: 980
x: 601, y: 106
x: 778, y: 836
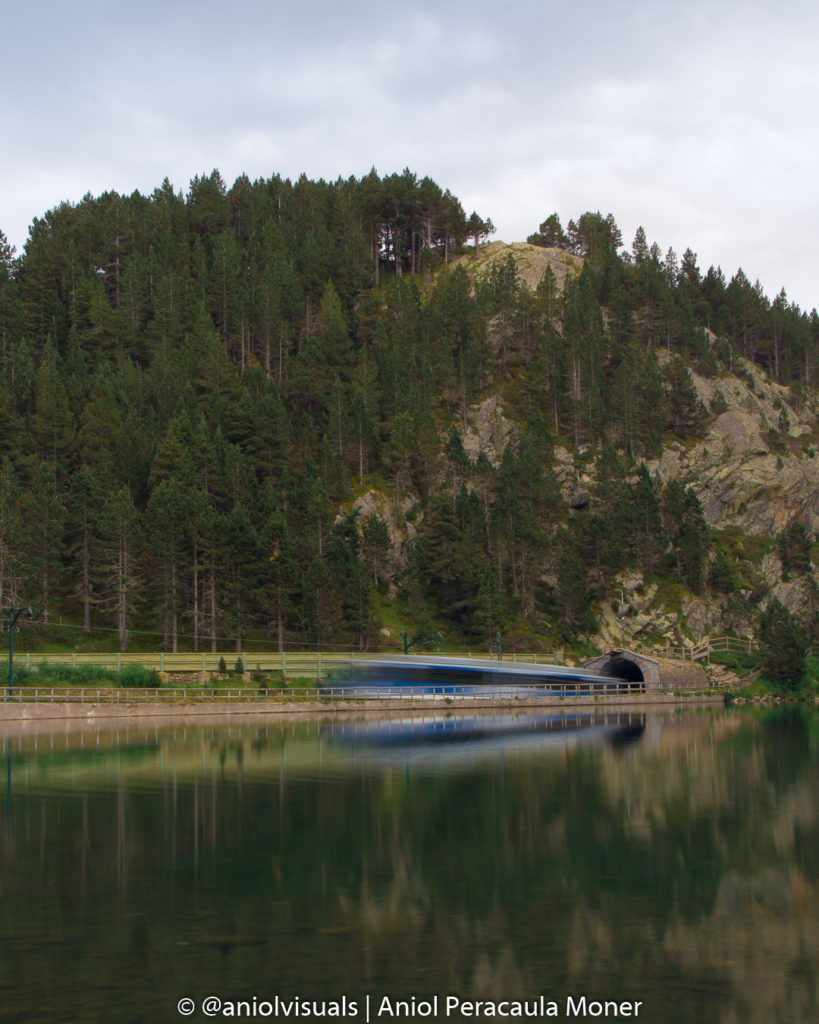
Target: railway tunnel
x: 622, y: 664
x: 656, y: 673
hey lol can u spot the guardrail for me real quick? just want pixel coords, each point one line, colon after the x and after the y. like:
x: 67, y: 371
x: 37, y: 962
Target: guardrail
x: 231, y: 695
x: 292, y: 665
x: 313, y: 663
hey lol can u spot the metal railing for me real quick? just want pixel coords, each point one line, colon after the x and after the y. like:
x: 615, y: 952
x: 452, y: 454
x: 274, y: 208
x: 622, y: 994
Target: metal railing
x: 299, y: 664
x: 313, y: 663
x: 232, y: 695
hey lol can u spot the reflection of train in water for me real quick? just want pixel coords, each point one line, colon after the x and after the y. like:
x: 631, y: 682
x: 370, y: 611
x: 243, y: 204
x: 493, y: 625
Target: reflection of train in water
x: 465, y: 737
x: 431, y: 677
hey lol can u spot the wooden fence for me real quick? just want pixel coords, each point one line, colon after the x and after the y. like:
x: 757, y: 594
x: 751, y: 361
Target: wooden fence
x: 712, y: 645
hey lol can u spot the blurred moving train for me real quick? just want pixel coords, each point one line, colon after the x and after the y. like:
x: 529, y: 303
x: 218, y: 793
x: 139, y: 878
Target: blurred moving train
x: 414, y: 675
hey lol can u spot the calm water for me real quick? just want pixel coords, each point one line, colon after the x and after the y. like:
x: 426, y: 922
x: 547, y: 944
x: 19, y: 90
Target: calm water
x: 667, y: 860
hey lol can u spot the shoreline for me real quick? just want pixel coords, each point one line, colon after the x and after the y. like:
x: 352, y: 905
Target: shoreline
x: 20, y: 718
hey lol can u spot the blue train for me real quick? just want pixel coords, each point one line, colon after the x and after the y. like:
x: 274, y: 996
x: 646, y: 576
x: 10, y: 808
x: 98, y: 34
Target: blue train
x: 438, y: 676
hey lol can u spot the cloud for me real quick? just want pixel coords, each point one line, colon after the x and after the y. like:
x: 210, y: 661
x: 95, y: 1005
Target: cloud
x: 693, y: 120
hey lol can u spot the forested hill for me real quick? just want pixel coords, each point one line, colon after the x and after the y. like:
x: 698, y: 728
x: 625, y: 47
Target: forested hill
x: 311, y: 412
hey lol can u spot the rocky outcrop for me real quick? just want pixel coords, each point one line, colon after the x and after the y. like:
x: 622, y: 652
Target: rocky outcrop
x: 487, y: 430
x: 393, y: 511
x: 531, y: 262
x: 757, y: 469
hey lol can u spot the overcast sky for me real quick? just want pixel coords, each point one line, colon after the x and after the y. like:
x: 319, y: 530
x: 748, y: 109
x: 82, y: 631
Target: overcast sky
x: 696, y: 120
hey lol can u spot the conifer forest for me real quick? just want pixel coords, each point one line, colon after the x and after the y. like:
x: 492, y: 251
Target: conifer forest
x: 246, y: 414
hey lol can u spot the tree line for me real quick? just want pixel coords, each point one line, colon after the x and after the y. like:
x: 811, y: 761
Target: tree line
x: 196, y: 387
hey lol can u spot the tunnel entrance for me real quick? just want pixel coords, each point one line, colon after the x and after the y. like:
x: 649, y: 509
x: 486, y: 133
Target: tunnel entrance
x: 629, y: 666
x: 624, y: 668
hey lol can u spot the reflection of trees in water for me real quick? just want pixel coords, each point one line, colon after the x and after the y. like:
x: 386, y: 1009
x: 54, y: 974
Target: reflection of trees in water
x: 677, y: 868
x: 763, y: 935
x: 740, y: 814
x: 688, y: 867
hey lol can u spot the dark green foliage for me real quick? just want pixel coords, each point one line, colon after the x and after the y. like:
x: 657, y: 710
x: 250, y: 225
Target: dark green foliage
x: 195, y: 388
x: 687, y: 532
x: 63, y: 675
x: 550, y: 234
x: 375, y: 548
x: 137, y: 676
x: 781, y: 647
x: 574, y: 599
x: 87, y: 675
x: 721, y: 575
x: 794, y: 549
x: 686, y: 415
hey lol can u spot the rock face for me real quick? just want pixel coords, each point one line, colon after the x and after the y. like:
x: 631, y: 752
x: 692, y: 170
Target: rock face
x: 738, y: 478
x: 756, y: 470
x: 531, y: 262
x: 487, y: 430
x: 394, y: 513
x: 761, y: 494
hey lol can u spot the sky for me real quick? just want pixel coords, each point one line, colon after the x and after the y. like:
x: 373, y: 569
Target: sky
x: 694, y: 120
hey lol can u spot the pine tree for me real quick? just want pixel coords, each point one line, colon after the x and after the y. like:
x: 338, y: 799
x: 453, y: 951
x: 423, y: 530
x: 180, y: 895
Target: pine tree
x: 686, y: 416
x: 165, y: 518
x: 43, y: 512
x: 550, y: 234
x: 121, y: 583
x: 573, y: 595
x: 375, y: 548
x: 781, y: 647
x: 11, y: 536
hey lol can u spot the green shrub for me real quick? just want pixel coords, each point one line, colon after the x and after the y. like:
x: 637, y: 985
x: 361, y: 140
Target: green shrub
x: 782, y: 647
x: 137, y: 676
x: 86, y: 676
x: 738, y: 661
x: 63, y: 675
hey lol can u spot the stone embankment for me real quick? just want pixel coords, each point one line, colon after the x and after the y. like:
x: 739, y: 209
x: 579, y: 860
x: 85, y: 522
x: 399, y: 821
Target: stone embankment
x: 17, y: 717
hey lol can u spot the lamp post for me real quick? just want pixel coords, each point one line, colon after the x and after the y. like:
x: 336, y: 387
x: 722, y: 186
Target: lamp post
x: 622, y: 619
x: 14, y: 615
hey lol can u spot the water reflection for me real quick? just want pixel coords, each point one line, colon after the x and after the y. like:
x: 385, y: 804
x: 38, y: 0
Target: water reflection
x: 467, y: 739
x: 318, y: 859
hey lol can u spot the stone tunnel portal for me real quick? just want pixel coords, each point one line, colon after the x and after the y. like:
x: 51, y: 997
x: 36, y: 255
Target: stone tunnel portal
x: 624, y: 668
x: 628, y: 666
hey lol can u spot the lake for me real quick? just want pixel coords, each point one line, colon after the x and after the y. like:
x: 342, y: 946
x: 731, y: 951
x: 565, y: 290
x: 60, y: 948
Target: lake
x: 661, y: 867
